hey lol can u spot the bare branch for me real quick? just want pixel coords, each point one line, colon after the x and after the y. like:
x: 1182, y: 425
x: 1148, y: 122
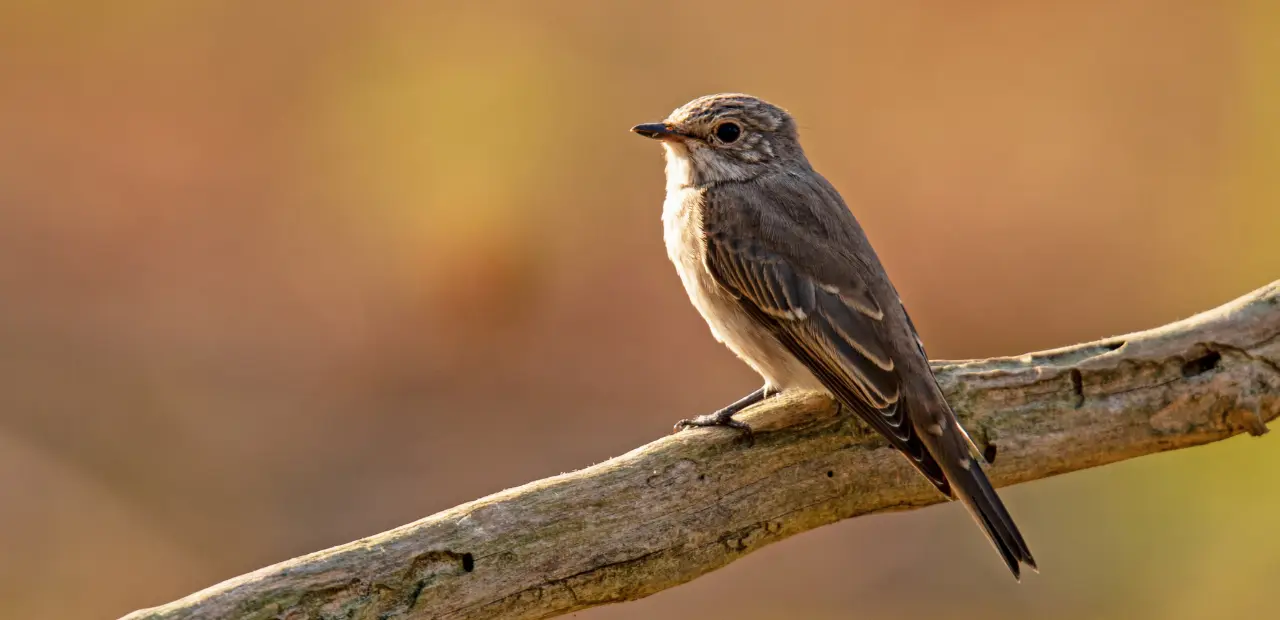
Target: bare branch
x: 688, y: 504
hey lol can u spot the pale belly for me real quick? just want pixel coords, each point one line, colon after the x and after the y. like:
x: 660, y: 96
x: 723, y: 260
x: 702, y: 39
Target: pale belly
x: 729, y: 323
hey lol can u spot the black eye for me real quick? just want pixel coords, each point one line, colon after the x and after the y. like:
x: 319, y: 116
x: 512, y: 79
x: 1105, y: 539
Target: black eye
x: 728, y: 132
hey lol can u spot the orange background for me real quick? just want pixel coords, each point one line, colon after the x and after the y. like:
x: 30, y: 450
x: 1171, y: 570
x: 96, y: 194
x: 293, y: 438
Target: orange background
x: 278, y: 275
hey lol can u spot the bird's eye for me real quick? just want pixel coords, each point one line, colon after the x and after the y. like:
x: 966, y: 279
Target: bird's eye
x: 728, y: 132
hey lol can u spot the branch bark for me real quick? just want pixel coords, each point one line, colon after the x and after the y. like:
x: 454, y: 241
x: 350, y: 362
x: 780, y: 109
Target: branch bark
x: 687, y: 504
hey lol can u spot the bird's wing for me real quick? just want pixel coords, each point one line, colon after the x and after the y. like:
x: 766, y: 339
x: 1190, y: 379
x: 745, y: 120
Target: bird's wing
x: 788, y: 272
x: 833, y: 325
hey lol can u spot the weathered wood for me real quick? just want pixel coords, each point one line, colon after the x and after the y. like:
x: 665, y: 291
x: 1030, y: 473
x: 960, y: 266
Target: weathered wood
x: 690, y: 503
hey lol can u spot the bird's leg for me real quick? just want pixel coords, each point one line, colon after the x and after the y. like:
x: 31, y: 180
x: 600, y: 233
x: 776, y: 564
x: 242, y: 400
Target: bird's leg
x: 724, y: 417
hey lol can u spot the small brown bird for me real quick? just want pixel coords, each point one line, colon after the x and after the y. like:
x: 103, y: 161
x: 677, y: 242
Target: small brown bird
x: 782, y: 272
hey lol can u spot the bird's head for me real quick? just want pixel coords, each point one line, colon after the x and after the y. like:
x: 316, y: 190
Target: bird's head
x: 725, y: 138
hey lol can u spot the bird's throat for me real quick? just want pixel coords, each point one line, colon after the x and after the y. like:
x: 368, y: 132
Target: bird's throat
x: 679, y: 167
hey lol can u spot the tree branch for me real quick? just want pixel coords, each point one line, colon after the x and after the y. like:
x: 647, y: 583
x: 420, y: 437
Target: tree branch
x: 690, y: 503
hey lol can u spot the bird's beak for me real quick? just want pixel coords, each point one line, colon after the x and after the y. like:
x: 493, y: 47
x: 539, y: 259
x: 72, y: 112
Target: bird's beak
x: 658, y: 131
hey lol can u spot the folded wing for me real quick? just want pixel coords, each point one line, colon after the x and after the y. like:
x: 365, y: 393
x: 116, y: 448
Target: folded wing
x: 833, y: 327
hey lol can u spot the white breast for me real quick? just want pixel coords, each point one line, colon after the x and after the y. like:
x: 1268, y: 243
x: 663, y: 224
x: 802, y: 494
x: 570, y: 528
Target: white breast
x: 681, y: 228
x: 682, y: 231
x: 729, y: 323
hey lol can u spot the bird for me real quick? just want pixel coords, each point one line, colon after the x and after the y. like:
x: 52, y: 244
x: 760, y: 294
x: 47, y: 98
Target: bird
x: 785, y: 277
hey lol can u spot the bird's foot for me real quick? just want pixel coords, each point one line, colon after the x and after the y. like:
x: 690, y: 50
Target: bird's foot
x: 723, y: 417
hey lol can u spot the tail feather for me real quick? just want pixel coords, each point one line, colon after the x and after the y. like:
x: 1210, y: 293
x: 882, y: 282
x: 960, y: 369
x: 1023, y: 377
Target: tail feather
x: 971, y: 486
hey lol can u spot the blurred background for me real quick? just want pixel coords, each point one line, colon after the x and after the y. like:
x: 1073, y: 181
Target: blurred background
x: 276, y: 276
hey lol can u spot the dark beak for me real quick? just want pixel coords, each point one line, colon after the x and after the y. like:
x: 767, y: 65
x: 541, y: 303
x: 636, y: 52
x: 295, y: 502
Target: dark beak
x: 657, y: 131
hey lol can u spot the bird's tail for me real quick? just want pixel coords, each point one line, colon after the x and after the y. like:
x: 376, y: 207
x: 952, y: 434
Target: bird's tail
x: 971, y: 486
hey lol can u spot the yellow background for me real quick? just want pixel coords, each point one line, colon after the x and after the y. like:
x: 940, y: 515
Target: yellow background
x: 278, y: 275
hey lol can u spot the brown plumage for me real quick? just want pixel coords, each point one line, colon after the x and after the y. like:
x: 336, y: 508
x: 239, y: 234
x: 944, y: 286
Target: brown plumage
x: 782, y: 272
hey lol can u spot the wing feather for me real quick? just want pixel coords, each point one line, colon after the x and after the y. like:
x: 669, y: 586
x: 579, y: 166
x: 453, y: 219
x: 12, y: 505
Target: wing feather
x: 835, y: 330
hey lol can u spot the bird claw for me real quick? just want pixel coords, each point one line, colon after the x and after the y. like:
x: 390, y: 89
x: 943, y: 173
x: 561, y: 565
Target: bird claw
x: 719, y: 418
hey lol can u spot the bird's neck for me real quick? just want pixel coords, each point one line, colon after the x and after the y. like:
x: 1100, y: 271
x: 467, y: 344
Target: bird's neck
x: 692, y: 167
